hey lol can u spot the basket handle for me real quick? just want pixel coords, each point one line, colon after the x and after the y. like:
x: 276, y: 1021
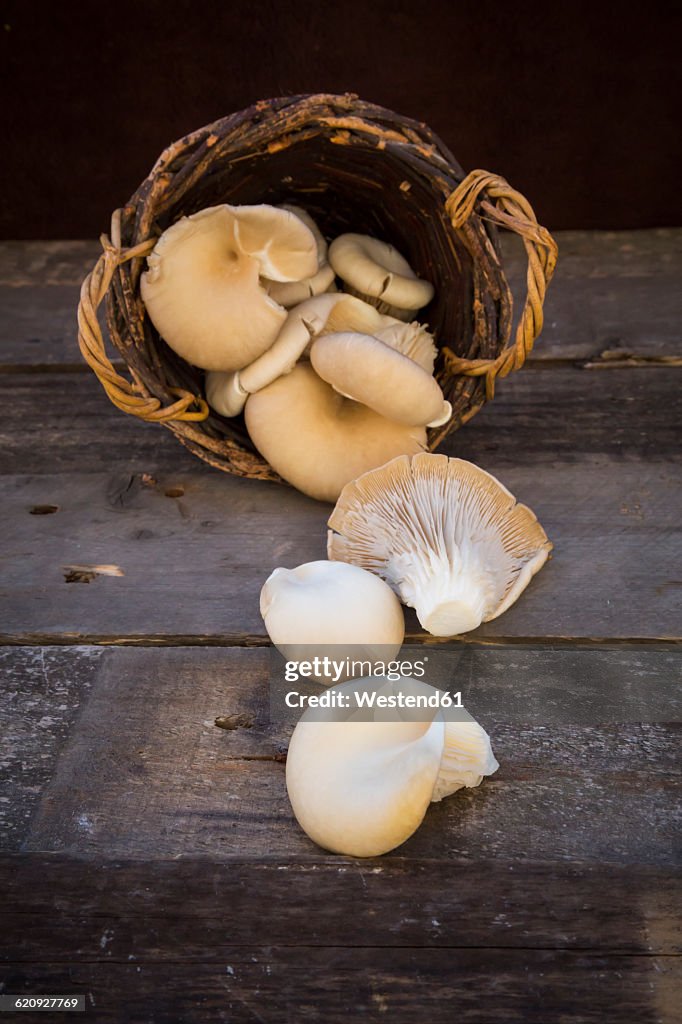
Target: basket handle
x: 121, y: 392
x: 507, y: 208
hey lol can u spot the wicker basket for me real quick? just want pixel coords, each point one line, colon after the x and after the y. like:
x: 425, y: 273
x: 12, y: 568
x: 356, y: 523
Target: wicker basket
x: 355, y: 167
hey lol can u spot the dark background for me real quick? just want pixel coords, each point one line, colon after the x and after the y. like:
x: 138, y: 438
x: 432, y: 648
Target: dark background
x: 575, y: 103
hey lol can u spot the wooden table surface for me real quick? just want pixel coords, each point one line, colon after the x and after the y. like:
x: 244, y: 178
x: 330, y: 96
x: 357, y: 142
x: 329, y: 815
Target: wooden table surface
x: 151, y: 861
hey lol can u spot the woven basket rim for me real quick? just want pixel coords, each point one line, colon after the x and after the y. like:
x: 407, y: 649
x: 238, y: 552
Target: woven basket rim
x: 465, y: 213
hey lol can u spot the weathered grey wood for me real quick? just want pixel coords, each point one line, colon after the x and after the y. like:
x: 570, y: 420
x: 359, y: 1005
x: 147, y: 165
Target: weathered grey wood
x: 541, y: 416
x: 333, y: 985
x: 41, y: 691
x: 194, y: 565
x: 38, y: 326
x: 25, y: 263
x: 611, y: 290
x: 146, y: 773
x: 58, y: 908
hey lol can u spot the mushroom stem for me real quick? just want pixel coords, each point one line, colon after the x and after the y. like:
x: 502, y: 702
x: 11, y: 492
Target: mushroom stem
x: 227, y: 392
x: 449, y: 596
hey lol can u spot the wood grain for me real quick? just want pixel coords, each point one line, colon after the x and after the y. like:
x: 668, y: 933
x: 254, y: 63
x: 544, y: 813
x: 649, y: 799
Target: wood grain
x: 271, y: 985
x: 611, y: 290
x: 41, y: 692
x: 146, y: 773
x: 194, y: 565
x: 59, y: 908
x: 63, y: 422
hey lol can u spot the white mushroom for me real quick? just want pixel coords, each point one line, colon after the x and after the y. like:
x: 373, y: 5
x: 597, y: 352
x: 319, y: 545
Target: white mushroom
x: 334, y: 609
x: 412, y: 340
x: 365, y: 369
x: 227, y: 392
x: 290, y: 293
x: 316, y: 439
x: 447, y: 536
x: 360, y: 784
x: 202, y: 288
x: 377, y: 272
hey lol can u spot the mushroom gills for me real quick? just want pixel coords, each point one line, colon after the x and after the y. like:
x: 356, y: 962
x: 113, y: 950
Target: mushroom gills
x: 448, y: 537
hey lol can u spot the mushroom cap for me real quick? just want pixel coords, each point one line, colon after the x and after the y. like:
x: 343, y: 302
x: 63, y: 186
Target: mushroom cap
x: 285, y: 247
x: 447, y: 536
x: 377, y: 269
x: 360, y: 785
x: 412, y: 340
x: 365, y: 369
x: 227, y: 392
x: 290, y: 293
x: 316, y: 439
x: 321, y: 604
x: 202, y: 288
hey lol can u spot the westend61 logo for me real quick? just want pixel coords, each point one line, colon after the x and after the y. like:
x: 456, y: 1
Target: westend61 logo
x: 365, y: 683
x: 332, y: 670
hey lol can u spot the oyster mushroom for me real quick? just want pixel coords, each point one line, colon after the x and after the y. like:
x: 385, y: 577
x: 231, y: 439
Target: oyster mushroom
x: 290, y: 293
x: 412, y: 340
x: 365, y: 369
x: 227, y: 392
x: 360, y: 784
x: 323, y: 605
x: 318, y: 440
x: 447, y: 536
x: 202, y: 287
x: 376, y: 271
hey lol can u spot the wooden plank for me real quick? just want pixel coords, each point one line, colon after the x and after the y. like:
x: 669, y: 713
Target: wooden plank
x: 337, y: 984
x: 41, y: 692
x: 185, y: 910
x: 611, y: 290
x: 146, y: 773
x: 193, y: 566
x: 24, y: 264
x: 38, y: 326
x: 61, y: 422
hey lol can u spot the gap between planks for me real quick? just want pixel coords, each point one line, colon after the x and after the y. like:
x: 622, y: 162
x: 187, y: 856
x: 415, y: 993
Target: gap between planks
x: 255, y: 640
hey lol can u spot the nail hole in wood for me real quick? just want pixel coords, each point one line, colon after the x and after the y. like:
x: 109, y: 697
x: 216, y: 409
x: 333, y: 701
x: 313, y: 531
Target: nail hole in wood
x: 174, y: 492
x: 43, y: 510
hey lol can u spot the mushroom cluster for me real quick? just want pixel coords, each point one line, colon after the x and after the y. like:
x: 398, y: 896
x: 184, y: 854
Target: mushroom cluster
x: 449, y: 540
x: 332, y: 383
x: 361, y: 782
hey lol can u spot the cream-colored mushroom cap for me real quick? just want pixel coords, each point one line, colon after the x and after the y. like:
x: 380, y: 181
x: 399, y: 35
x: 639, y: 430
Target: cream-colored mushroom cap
x: 447, y: 536
x: 412, y: 340
x: 360, y: 783
x: 202, y: 289
x: 343, y: 312
x: 316, y: 439
x: 376, y: 269
x: 290, y: 293
x: 227, y: 392
x: 333, y: 609
x: 367, y: 370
